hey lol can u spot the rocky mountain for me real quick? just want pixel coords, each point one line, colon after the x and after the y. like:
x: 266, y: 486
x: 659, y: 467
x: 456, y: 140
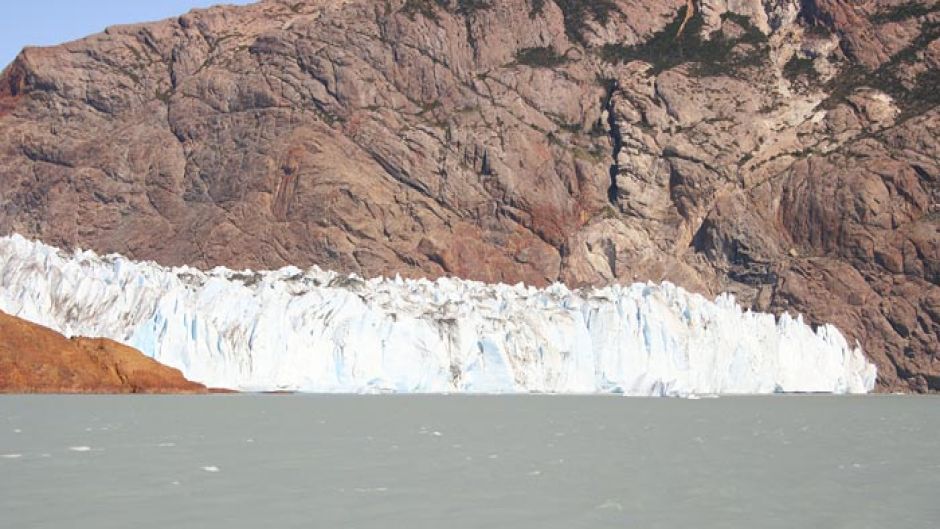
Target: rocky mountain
x: 35, y: 359
x: 786, y: 151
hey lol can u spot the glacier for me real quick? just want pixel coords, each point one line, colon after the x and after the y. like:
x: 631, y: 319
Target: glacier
x: 319, y: 331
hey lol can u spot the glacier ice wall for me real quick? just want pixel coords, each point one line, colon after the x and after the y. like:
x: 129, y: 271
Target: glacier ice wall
x: 321, y: 332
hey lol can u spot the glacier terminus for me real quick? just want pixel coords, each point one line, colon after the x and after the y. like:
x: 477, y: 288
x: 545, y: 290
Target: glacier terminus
x: 319, y: 331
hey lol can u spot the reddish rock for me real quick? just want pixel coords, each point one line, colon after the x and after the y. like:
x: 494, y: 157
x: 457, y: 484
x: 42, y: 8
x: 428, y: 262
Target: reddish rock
x: 34, y: 359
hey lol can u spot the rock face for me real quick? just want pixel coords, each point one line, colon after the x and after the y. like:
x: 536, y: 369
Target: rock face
x: 785, y: 151
x: 34, y: 359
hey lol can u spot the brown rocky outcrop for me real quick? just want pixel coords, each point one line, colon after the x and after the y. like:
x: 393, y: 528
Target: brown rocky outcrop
x: 34, y: 359
x: 784, y: 150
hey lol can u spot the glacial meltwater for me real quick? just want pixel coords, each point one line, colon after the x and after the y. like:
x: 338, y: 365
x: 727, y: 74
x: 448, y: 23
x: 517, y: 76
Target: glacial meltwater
x: 469, y: 462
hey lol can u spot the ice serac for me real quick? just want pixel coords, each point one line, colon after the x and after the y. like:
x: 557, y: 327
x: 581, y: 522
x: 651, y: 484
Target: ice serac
x: 320, y: 331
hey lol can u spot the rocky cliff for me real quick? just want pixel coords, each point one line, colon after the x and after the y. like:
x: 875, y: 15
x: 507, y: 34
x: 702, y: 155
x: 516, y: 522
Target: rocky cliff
x: 34, y: 359
x: 786, y: 151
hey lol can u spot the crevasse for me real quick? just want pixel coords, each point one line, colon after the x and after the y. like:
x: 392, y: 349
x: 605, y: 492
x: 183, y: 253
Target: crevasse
x: 318, y: 331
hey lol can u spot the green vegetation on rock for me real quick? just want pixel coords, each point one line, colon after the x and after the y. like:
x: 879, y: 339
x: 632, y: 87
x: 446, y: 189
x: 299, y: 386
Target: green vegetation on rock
x: 798, y: 67
x: 540, y: 57
x: 713, y: 56
x: 577, y: 13
x: 429, y: 8
x: 911, y: 97
x: 904, y: 12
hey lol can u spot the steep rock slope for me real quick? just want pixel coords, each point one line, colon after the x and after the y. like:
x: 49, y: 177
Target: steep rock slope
x: 786, y: 151
x: 35, y: 359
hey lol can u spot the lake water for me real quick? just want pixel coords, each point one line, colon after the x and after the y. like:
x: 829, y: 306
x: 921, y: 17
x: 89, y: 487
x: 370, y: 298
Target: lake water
x: 469, y: 462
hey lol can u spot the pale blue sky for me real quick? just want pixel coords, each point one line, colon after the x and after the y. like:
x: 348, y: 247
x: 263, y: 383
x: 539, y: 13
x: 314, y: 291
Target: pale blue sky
x: 46, y: 22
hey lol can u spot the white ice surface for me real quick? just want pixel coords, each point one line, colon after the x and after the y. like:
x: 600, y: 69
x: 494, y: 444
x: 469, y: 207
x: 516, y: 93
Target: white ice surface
x: 318, y: 331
